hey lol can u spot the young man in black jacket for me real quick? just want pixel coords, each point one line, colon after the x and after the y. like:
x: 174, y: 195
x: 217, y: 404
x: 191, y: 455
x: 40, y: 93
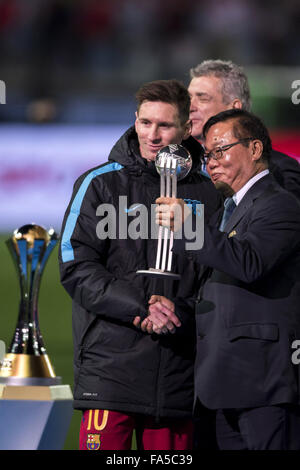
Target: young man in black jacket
x: 124, y: 378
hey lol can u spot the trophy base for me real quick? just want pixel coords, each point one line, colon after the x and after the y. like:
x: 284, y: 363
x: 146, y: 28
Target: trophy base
x: 26, y: 381
x: 27, y: 369
x: 152, y: 272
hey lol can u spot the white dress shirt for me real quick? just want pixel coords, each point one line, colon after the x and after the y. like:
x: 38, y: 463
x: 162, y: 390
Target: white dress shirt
x: 238, y: 196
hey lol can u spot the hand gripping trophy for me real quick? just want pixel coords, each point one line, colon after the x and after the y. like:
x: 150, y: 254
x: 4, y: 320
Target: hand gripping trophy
x: 27, y: 362
x: 173, y: 163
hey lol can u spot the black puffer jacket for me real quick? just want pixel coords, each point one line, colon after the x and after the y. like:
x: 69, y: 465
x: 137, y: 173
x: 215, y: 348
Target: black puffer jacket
x: 117, y: 366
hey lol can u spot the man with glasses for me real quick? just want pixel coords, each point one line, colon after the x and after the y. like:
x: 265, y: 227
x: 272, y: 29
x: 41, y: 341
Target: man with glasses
x: 248, y: 318
x: 218, y: 85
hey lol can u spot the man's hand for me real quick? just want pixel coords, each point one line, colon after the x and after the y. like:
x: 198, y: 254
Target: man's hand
x: 171, y: 212
x: 161, y: 318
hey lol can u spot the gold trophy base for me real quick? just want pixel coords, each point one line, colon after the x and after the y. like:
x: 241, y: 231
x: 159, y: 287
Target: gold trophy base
x: 27, y: 369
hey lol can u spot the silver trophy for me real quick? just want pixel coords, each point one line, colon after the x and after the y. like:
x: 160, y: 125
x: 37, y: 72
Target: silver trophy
x: 27, y: 362
x: 173, y: 163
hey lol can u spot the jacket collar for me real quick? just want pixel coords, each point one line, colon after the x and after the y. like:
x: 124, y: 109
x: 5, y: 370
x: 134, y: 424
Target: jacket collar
x: 126, y: 152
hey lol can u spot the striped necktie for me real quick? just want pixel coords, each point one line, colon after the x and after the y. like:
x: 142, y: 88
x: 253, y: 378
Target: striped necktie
x: 229, y: 206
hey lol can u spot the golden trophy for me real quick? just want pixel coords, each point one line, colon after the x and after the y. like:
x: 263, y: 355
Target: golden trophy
x: 27, y: 362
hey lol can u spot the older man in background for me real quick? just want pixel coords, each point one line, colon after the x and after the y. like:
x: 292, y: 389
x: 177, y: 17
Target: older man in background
x: 218, y: 85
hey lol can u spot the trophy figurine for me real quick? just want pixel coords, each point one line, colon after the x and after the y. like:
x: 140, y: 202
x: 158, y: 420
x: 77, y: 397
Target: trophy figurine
x: 27, y: 362
x: 173, y: 163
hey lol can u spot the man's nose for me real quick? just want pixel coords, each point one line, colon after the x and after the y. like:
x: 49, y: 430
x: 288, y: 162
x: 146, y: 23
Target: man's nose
x: 193, y: 106
x: 212, y: 163
x: 154, y: 133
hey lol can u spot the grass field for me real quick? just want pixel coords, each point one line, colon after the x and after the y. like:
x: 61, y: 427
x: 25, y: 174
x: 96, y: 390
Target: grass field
x: 55, y: 321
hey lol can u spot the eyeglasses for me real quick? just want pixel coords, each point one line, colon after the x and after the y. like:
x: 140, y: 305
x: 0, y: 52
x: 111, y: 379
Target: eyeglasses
x: 217, y: 153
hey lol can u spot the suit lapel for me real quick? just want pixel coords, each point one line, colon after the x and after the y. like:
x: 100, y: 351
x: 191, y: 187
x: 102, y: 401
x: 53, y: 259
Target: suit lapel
x: 254, y: 192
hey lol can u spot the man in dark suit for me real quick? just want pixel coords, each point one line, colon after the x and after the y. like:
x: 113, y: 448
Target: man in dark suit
x: 248, y: 310
x: 218, y: 85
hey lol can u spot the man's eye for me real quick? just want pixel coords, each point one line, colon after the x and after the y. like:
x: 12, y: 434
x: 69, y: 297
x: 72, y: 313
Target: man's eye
x: 203, y: 98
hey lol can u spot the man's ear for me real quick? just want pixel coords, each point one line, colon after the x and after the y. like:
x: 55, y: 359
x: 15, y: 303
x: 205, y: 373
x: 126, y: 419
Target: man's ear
x: 236, y: 104
x: 257, y: 149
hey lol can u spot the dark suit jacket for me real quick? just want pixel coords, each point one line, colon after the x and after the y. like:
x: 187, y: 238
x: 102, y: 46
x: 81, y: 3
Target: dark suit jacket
x: 286, y: 171
x: 248, y: 312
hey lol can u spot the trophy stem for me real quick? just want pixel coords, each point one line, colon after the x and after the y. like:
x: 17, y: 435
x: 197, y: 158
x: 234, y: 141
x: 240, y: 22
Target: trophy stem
x: 170, y: 252
x: 174, y: 194
x: 167, y: 177
x: 27, y: 338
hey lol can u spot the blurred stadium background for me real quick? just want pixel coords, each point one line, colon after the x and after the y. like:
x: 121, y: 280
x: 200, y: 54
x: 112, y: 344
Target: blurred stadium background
x: 71, y: 68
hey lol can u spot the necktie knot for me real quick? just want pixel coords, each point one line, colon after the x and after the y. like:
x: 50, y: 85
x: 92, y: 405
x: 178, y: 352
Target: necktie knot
x: 229, y: 206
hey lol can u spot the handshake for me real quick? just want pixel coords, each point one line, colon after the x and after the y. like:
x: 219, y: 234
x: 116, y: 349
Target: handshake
x: 161, y: 318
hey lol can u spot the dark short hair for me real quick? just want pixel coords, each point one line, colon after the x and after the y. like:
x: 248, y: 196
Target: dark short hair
x: 246, y: 125
x: 167, y: 91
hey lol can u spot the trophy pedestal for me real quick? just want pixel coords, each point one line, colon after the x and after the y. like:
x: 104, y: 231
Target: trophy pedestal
x: 34, y: 417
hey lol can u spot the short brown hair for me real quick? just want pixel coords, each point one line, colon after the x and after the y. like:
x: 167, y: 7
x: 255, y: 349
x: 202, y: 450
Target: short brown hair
x: 167, y: 91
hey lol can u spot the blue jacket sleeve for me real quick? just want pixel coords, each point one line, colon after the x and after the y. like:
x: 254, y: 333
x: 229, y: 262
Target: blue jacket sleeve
x: 83, y: 265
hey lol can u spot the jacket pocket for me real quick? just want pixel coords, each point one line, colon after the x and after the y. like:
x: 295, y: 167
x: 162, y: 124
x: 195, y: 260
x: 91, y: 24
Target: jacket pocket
x: 111, y: 335
x: 262, y: 331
